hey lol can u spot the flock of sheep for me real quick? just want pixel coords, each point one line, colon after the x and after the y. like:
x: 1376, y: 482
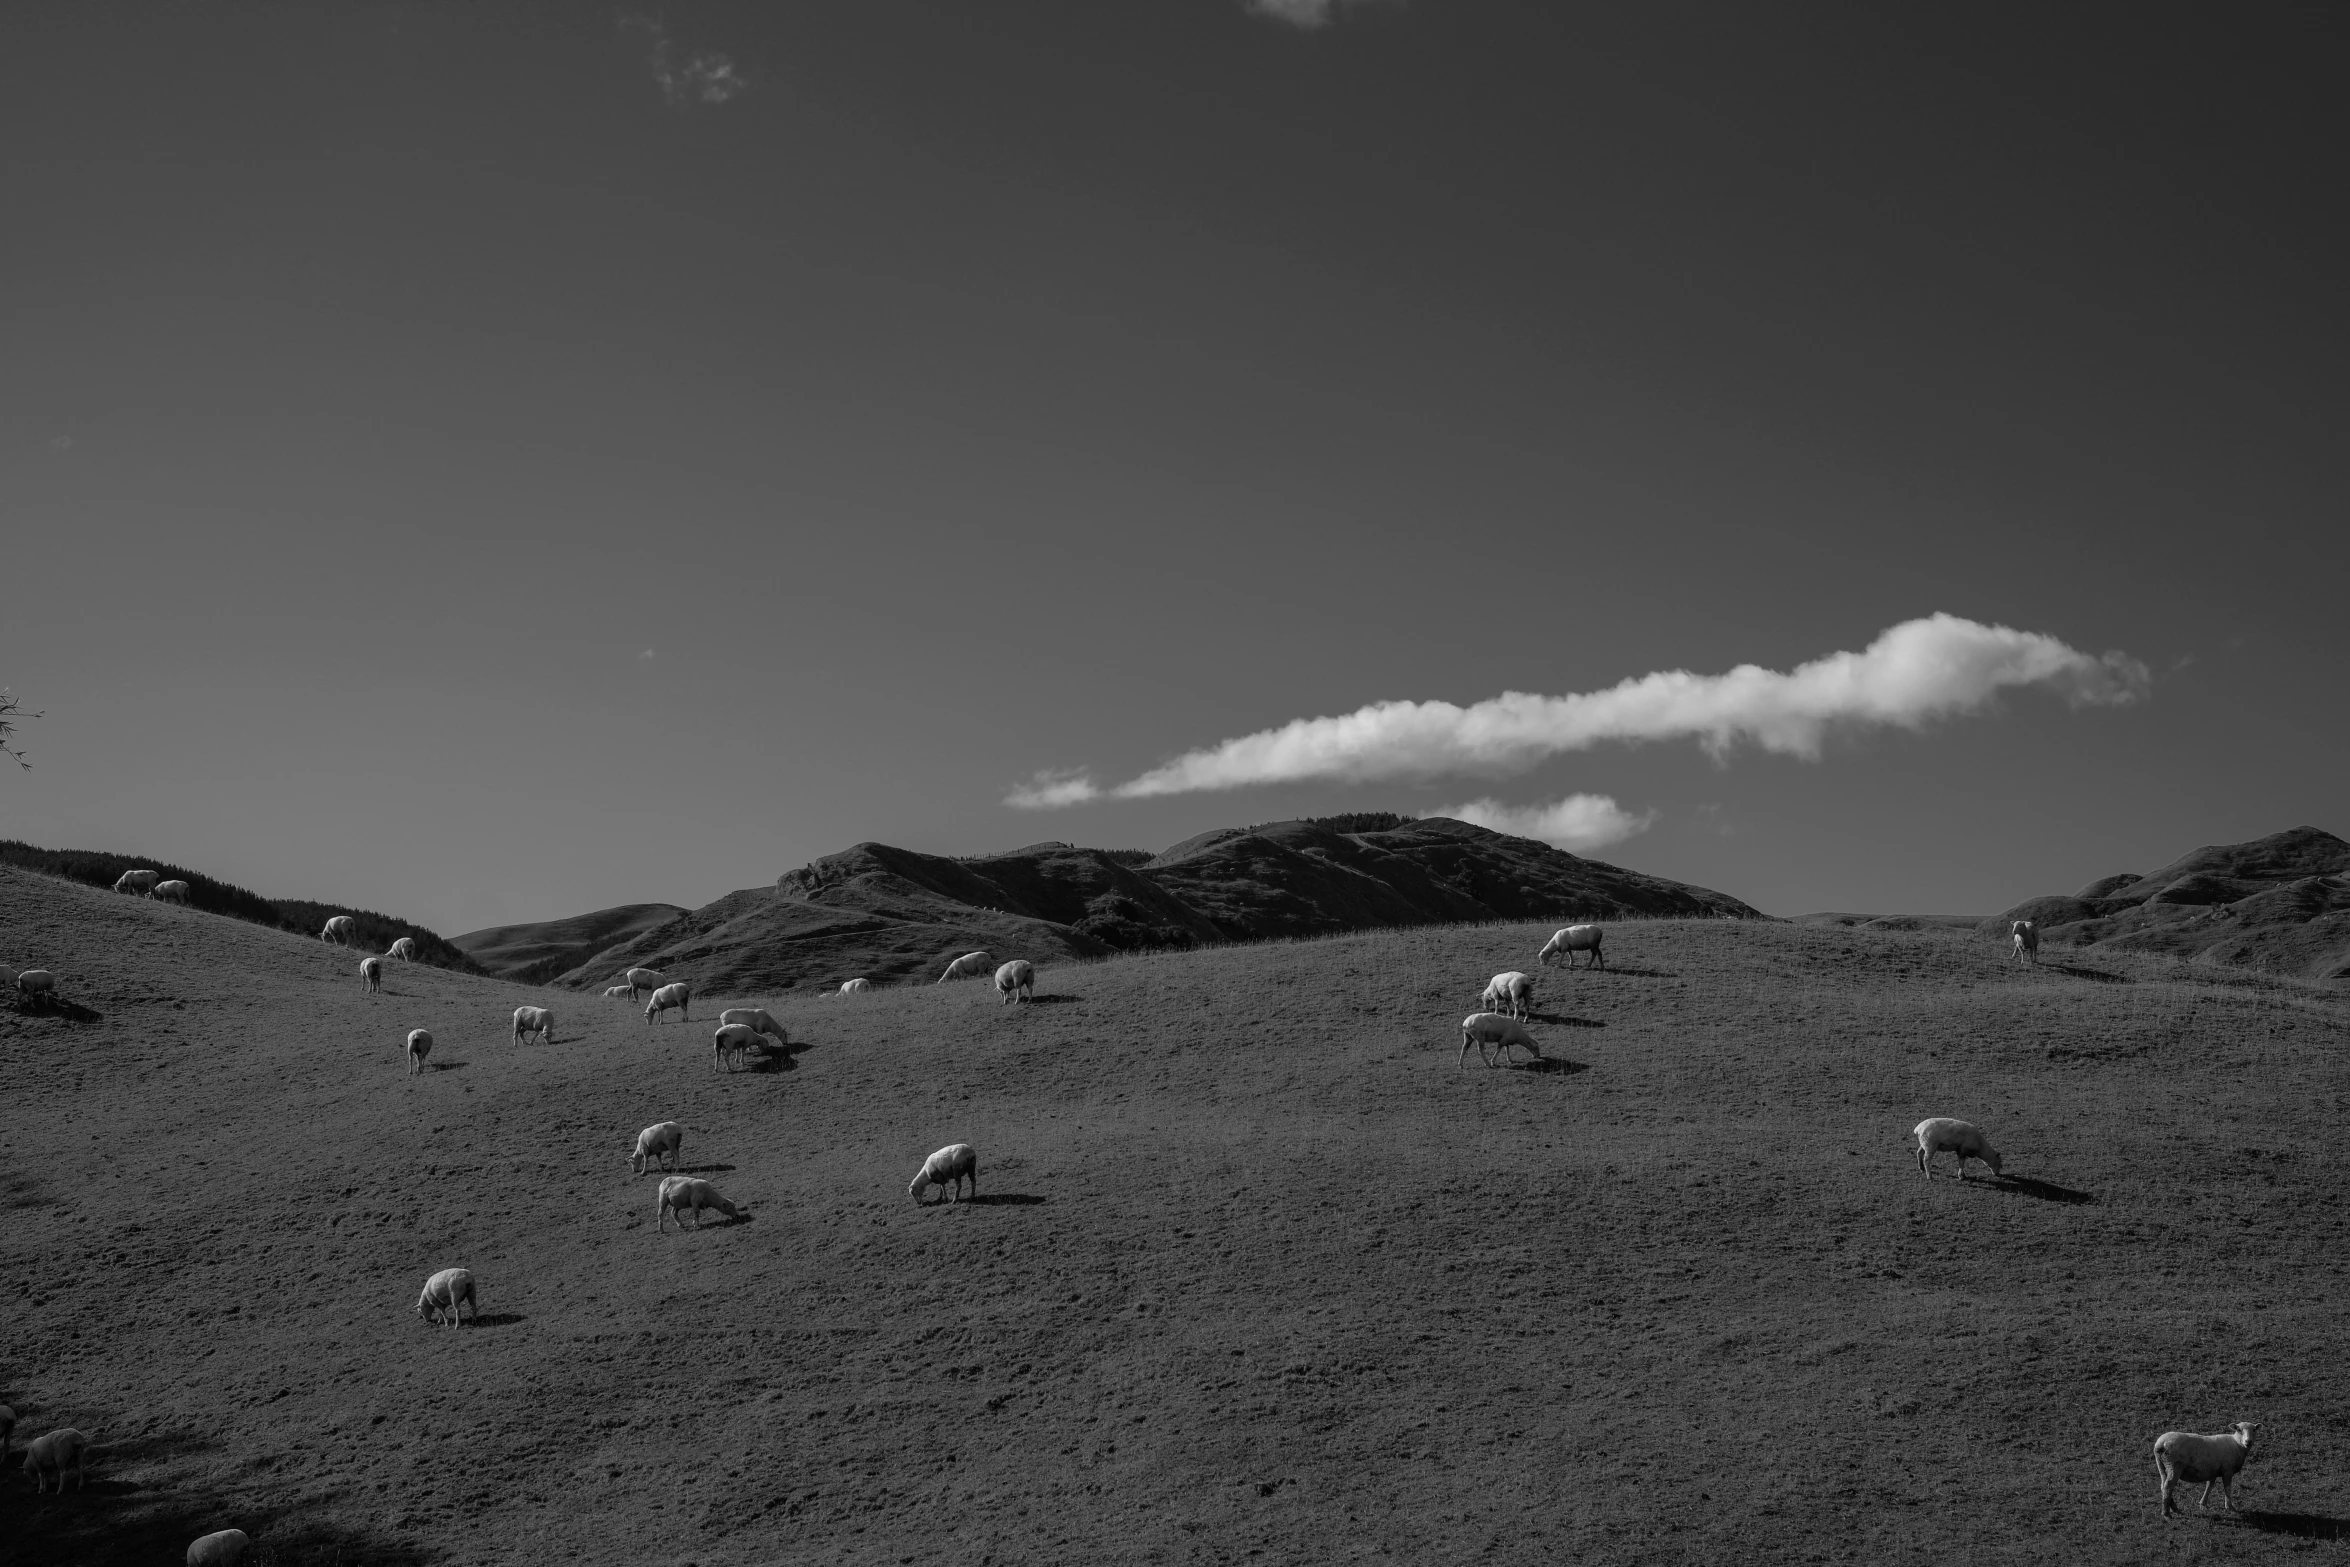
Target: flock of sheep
x: 2179, y: 1456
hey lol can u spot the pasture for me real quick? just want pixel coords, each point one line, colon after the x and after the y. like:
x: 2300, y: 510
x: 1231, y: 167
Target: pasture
x: 1256, y: 1272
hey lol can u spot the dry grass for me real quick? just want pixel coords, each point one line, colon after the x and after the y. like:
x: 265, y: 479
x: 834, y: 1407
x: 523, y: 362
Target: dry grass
x: 1258, y: 1273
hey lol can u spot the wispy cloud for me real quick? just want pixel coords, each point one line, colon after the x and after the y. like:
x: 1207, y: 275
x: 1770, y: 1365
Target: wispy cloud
x: 687, y: 76
x: 1299, y: 13
x: 1913, y: 674
x: 1580, y: 821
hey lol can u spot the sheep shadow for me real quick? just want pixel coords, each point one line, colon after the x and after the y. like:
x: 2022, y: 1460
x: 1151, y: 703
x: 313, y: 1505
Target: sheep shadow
x: 2045, y: 1191
x: 1005, y: 1200
x: 1562, y: 1020
x: 1635, y: 971
x: 494, y: 1319
x: 448, y: 1066
x: 1051, y: 1001
x: 54, y: 1006
x: 2075, y: 971
x: 699, y: 1169
x: 1551, y: 1066
x: 2307, y: 1526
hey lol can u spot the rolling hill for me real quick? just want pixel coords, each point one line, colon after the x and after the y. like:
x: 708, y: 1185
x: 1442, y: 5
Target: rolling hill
x: 1257, y: 1272
x: 887, y: 913
x: 536, y: 952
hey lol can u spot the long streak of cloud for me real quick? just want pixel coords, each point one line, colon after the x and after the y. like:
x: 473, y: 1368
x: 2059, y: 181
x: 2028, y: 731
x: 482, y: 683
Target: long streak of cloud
x: 1307, y: 14
x: 1913, y: 674
x: 1580, y: 821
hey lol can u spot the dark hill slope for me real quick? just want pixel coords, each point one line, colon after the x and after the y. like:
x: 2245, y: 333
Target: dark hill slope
x: 529, y: 954
x: 887, y: 913
x: 2279, y: 902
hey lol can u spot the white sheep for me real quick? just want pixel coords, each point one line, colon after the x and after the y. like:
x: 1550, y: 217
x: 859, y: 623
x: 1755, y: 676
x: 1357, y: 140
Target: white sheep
x: 689, y: 1194
x: 339, y: 930
x: 443, y: 1291
x: 534, y: 1020
x: 855, y: 987
x: 1488, y: 1029
x: 171, y: 891
x: 138, y: 881
x: 642, y: 982
x: 404, y: 949
x: 221, y: 1548
x: 2027, y: 939
x: 1945, y: 1133
x: 1017, y: 980
x: 35, y: 983
x: 621, y: 990
x: 679, y: 996
x: 969, y: 966
x: 663, y: 1142
x: 419, y: 1046
x: 1573, y: 939
x: 62, y: 1449
x: 949, y: 1167
x: 1512, y: 993
x: 758, y: 1019
x: 2184, y: 1455
x: 371, y: 973
x: 732, y: 1042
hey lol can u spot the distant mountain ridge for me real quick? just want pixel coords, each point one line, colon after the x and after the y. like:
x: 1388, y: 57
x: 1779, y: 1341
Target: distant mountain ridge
x: 532, y: 954
x: 882, y: 913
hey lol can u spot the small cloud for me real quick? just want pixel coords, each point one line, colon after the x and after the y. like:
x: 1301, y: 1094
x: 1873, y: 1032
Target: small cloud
x: 1580, y: 821
x: 646, y: 657
x: 61, y: 443
x: 1306, y: 14
x: 1049, y: 790
x: 702, y: 76
x: 1714, y: 817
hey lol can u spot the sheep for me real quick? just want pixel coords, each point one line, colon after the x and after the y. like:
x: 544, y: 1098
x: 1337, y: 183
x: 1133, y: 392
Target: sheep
x: 2183, y: 1455
x: 62, y: 1449
x: 443, y: 1291
x: 1575, y: 938
x: 758, y: 1019
x: 678, y: 996
x: 642, y: 982
x: 1017, y: 980
x: 371, y: 973
x: 732, y: 1042
x: 221, y: 1548
x: 1491, y: 1028
x: 339, y: 930
x: 855, y: 987
x: 968, y: 966
x: 138, y: 881
x: 663, y: 1142
x: 949, y: 1167
x: 1512, y: 993
x: 1938, y: 1133
x: 404, y: 949
x: 171, y: 891
x: 2027, y: 939
x: 534, y: 1020
x: 35, y: 983
x: 689, y: 1194
x: 419, y: 1046
x: 621, y: 990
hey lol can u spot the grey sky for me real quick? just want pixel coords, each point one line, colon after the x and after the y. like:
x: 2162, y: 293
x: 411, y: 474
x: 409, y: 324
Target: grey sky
x: 490, y: 462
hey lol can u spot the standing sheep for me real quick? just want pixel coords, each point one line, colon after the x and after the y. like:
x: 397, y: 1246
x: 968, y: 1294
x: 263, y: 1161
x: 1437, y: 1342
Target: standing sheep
x: 171, y: 891
x: 371, y: 973
x: 855, y: 987
x: 138, y: 881
x: 950, y: 1167
x: 759, y: 1020
x: 642, y: 982
x: 419, y: 1046
x: 621, y: 990
x: 1017, y: 980
x: 55, y: 1453
x: 404, y: 949
x: 221, y: 1548
x: 969, y: 966
x: 1511, y: 993
x: 1948, y: 1134
x: 732, y: 1042
x: 2184, y: 1455
x: 35, y: 983
x: 2027, y: 940
x: 663, y: 1142
x: 1573, y: 939
x: 443, y: 1291
x: 689, y: 1194
x: 679, y: 996
x: 340, y: 930
x: 534, y: 1020
x: 1489, y: 1029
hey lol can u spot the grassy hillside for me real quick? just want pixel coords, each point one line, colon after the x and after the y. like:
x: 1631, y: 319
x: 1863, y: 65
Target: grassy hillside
x: 538, y: 952
x: 1258, y: 1272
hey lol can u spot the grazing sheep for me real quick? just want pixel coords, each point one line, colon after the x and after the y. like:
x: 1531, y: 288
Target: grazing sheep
x: 55, y: 1453
x: 2027, y: 939
x: 969, y: 966
x: 1512, y: 993
x: 138, y: 881
x: 371, y: 973
x: 1017, y: 980
x: 1575, y: 938
x: 419, y: 1046
x: 1488, y: 1029
x: 404, y: 949
x: 689, y: 1194
x: 621, y: 990
x: 949, y: 1167
x: 534, y: 1020
x: 663, y: 1142
x: 1943, y: 1133
x: 758, y: 1019
x: 2183, y: 1455
x: 35, y: 983
x: 171, y: 891
x: 855, y: 987
x: 221, y: 1548
x: 339, y: 930
x: 443, y: 1291
x: 679, y: 996
x: 642, y: 982
x: 732, y: 1042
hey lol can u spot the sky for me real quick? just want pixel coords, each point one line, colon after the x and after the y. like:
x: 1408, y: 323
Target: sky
x: 489, y: 462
